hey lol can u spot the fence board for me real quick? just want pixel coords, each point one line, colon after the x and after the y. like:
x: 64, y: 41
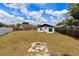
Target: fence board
x: 70, y: 32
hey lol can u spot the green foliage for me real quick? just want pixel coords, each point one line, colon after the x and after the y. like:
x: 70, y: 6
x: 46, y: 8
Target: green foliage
x: 25, y: 23
x: 33, y: 27
x: 74, y: 11
x: 68, y: 22
x: 75, y: 23
x: 12, y: 26
x: 18, y: 25
x: 3, y: 25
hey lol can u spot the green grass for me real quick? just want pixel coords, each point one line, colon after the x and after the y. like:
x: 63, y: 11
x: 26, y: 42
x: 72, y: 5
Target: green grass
x: 18, y: 42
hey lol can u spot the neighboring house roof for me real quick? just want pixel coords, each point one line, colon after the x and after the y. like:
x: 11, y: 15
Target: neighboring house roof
x: 45, y: 25
x: 25, y: 26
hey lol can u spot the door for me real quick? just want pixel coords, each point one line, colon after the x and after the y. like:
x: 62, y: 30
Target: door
x: 50, y: 29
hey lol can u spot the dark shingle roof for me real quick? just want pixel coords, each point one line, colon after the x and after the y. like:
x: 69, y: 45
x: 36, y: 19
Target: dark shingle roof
x: 45, y: 25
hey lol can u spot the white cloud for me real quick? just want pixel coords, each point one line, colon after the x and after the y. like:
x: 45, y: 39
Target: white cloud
x: 54, y: 21
x: 50, y: 12
x: 59, y: 15
x: 6, y: 18
x: 3, y: 13
x: 56, y: 13
x: 13, y: 5
x: 36, y: 15
x: 9, y: 19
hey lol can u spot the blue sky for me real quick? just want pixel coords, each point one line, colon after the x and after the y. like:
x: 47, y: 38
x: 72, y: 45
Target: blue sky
x: 39, y: 13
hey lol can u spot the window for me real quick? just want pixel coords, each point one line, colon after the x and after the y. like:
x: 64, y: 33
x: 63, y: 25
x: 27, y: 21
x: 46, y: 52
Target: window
x: 50, y: 29
x: 40, y: 28
x: 45, y: 28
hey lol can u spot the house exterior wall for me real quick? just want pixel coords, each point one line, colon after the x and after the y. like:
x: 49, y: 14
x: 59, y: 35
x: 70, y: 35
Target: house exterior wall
x: 38, y: 29
x: 53, y: 29
x: 45, y: 29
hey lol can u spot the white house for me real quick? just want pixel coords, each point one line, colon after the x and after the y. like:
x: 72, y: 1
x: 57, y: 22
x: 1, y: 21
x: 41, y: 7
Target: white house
x: 46, y: 28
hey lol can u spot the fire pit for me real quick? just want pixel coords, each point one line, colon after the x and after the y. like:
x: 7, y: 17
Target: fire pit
x: 39, y: 48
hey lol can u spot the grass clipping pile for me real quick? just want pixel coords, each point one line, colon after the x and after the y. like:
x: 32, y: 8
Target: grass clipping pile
x: 38, y: 49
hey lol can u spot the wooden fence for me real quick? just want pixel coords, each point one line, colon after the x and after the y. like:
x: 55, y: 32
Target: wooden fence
x: 17, y: 29
x: 71, y: 32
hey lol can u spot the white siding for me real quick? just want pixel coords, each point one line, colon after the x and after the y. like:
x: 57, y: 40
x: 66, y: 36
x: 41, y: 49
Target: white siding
x: 53, y: 29
x: 40, y: 30
x: 5, y: 30
x: 45, y: 29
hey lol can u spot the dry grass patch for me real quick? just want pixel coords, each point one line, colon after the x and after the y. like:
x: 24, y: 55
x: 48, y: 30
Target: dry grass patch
x: 17, y: 43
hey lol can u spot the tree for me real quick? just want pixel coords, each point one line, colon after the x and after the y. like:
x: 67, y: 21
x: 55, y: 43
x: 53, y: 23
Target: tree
x: 18, y: 25
x: 12, y: 26
x: 68, y: 22
x: 1, y: 25
x: 25, y: 23
x: 74, y: 12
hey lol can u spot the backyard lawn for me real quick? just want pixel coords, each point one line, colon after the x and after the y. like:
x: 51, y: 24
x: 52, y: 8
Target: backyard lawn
x: 18, y: 42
